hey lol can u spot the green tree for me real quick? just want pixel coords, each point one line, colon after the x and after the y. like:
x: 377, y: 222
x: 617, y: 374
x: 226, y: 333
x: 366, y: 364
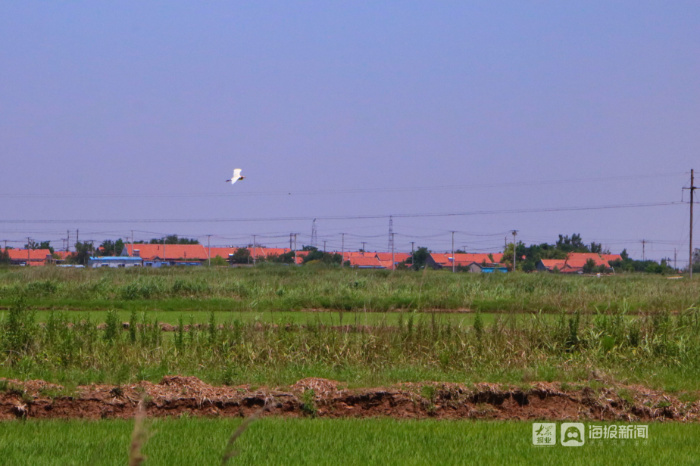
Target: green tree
x: 596, y: 247
x: 241, y: 256
x: 4, y: 257
x: 420, y: 257
x: 520, y: 252
x: 112, y: 248
x: 573, y: 244
x: 218, y: 261
x: 286, y: 258
x: 315, y: 255
x: 589, y: 266
x: 174, y: 239
x: 83, y: 251
x: 624, y: 255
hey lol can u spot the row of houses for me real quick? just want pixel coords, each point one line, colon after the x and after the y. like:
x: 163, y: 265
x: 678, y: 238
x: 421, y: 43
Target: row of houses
x: 477, y: 263
x: 576, y: 261
x: 29, y: 257
x: 158, y: 255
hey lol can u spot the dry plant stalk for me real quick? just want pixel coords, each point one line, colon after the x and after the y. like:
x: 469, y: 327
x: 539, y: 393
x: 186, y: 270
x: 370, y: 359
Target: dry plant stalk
x: 140, y: 434
x: 229, y: 452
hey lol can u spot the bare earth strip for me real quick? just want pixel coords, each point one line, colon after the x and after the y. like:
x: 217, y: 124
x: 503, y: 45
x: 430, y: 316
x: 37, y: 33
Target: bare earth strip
x: 176, y: 396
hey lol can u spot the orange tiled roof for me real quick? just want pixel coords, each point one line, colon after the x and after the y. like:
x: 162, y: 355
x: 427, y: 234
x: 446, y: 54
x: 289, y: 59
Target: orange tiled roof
x: 551, y: 264
x: 349, y: 254
x: 441, y: 259
x: 468, y: 258
x: 269, y: 252
x: 221, y: 252
x: 398, y: 256
x: 63, y: 254
x: 579, y: 259
x: 464, y: 259
x: 575, y: 261
x: 569, y: 269
x: 364, y: 262
x: 34, y: 254
x: 172, y: 251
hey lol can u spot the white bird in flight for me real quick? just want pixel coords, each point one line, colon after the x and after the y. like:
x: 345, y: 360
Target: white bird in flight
x: 236, y: 176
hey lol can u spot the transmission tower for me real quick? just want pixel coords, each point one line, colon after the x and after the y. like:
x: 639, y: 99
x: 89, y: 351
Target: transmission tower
x: 314, y: 234
x: 391, y: 233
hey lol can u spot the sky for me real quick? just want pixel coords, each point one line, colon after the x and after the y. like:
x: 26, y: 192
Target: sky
x: 473, y: 117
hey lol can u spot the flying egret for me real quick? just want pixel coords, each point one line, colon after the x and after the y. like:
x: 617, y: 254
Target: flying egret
x: 236, y: 176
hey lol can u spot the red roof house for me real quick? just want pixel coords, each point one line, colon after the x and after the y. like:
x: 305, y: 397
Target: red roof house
x: 32, y: 257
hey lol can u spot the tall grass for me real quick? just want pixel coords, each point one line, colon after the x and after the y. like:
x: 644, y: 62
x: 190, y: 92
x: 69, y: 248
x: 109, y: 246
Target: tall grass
x: 659, y: 348
x: 284, y: 288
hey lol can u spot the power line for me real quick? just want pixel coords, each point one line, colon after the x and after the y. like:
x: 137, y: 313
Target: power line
x: 348, y: 217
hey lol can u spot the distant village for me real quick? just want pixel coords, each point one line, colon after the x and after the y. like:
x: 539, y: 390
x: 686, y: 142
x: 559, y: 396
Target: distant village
x: 162, y: 255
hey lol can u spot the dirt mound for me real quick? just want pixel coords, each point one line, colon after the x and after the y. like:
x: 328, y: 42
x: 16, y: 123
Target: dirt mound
x: 179, y: 395
x: 321, y: 387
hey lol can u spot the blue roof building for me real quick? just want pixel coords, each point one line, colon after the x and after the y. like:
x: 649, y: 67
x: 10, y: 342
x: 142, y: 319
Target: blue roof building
x: 114, y: 262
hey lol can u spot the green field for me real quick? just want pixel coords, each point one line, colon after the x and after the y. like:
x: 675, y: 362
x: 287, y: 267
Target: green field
x: 660, y: 350
x: 322, y: 441
x: 280, y: 288
x: 272, y: 326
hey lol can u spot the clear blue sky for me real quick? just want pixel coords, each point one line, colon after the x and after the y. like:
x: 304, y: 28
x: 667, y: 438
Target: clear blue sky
x: 140, y: 110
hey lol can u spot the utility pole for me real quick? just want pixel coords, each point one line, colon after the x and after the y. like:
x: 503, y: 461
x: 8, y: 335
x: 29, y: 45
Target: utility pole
x: 28, y: 251
x: 413, y: 258
x: 644, y: 242
x: 675, y: 258
x: 690, y: 242
x: 393, y: 261
x: 692, y: 189
x: 209, y: 249
x: 67, y: 242
x: 163, y: 249
x: 363, y: 246
x: 295, y: 249
x: 132, y: 243
x: 324, y: 245
x: 254, y: 249
x: 342, y: 249
x: 515, y: 246
x: 77, y: 235
x: 453, y: 251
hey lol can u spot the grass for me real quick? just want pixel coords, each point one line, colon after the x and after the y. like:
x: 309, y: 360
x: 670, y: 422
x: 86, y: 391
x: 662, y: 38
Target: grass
x: 284, y: 288
x: 272, y: 317
x: 660, y: 350
x: 570, y: 329
x: 256, y: 328
x: 326, y: 441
